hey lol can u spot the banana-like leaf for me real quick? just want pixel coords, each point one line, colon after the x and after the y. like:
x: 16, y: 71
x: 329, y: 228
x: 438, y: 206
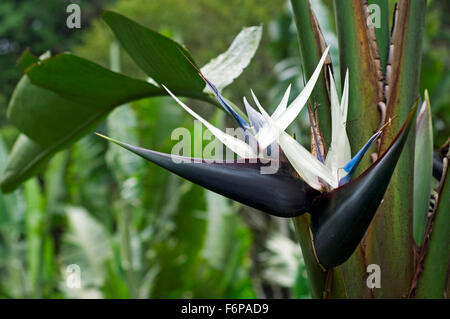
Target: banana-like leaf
x: 163, y: 59
x: 54, y: 118
x: 26, y: 159
x: 423, y: 167
x: 432, y: 281
x: 281, y: 194
x: 223, y: 69
x: 27, y: 59
x: 59, y: 100
x: 70, y: 88
x: 341, y: 217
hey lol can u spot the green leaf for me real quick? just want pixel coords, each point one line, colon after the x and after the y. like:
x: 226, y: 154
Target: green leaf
x: 163, y: 59
x: 63, y: 108
x: 25, y: 160
x: 83, y: 93
x: 27, y: 59
x: 423, y: 168
x: 312, y: 45
x: 55, y: 118
x: 433, y: 280
x: 226, y: 67
x: 12, y: 211
x: 10, y: 207
x: 70, y: 88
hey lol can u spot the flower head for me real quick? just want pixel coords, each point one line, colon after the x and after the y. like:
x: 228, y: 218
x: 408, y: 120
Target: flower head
x: 269, y: 132
x: 303, y: 183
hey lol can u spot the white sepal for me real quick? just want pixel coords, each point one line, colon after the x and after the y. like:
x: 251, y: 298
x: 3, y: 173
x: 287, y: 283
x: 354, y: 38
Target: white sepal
x: 236, y: 145
x: 283, y: 104
x: 291, y: 113
x: 256, y: 120
x: 339, y: 152
x: 306, y: 165
x: 288, y: 116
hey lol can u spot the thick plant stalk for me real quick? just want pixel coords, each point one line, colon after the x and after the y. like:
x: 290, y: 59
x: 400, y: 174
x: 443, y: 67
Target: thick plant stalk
x: 357, y: 53
x: 390, y: 237
x: 316, y: 274
x: 382, y: 30
x: 323, y: 284
x: 312, y: 45
x: 357, y: 50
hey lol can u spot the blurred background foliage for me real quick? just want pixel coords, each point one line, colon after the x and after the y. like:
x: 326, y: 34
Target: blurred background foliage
x: 134, y: 229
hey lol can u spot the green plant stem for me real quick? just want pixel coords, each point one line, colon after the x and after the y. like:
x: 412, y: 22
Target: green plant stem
x: 316, y: 275
x: 390, y: 237
x: 356, y: 54
x: 312, y: 45
x: 124, y: 223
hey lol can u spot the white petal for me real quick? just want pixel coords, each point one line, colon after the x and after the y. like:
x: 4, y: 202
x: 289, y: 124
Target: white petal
x: 274, y: 145
x: 256, y: 120
x: 344, y: 101
x: 339, y: 152
x: 306, y: 164
x: 267, y: 134
x: 283, y: 104
x: 236, y: 145
x: 258, y: 104
x: 285, y: 118
x: 335, y: 108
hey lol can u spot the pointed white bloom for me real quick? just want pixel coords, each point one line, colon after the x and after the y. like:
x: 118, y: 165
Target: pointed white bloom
x: 283, y: 104
x: 313, y: 171
x: 270, y: 130
x: 265, y: 136
x: 255, y: 118
x: 306, y: 164
x: 339, y: 152
x: 236, y: 145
